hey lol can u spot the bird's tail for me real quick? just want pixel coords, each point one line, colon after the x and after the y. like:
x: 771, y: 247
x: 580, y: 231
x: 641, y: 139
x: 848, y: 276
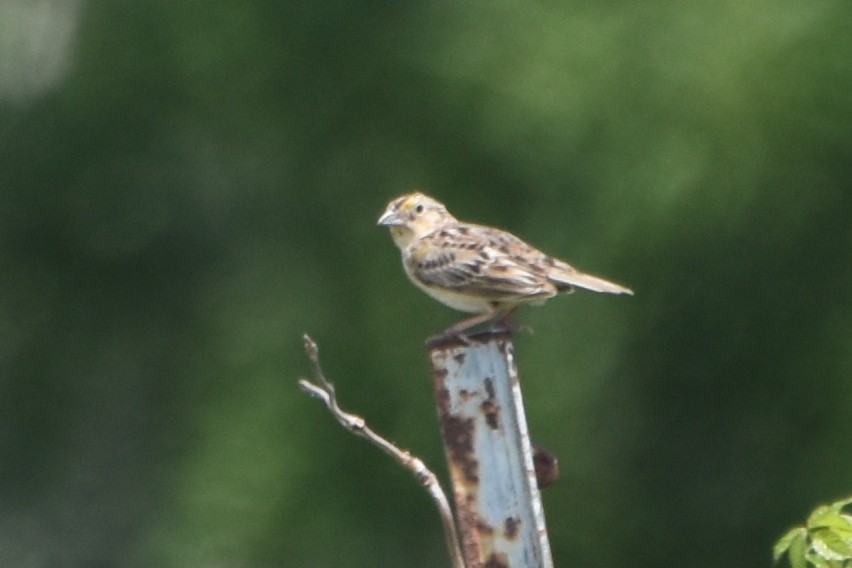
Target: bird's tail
x: 566, y: 278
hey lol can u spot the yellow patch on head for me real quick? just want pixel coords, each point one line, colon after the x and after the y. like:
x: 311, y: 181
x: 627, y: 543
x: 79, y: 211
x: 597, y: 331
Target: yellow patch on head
x: 411, y: 201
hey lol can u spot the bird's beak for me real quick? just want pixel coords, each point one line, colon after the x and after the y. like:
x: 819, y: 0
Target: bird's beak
x: 391, y: 219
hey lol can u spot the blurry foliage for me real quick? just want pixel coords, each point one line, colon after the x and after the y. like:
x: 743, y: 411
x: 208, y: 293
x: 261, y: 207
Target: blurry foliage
x: 824, y: 542
x: 185, y: 188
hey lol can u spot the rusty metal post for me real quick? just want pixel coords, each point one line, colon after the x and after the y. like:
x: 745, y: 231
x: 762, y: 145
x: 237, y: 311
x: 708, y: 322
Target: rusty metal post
x: 483, y: 424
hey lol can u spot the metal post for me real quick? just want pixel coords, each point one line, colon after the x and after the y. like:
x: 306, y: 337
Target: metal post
x: 498, y: 505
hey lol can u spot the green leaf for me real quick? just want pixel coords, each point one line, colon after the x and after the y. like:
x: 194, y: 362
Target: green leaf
x: 798, y: 548
x: 845, y: 532
x: 838, y: 505
x: 818, y: 516
x: 829, y: 545
x: 833, y: 520
x: 785, y: 542
x: 823, y: 512
x: 816, y: 560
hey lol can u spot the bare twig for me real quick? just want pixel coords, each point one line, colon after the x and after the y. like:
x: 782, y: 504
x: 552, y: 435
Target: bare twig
x: 324, y: 391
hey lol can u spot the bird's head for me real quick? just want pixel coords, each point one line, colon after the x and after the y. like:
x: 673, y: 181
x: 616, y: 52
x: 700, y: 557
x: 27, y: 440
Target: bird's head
x: 413, y: 216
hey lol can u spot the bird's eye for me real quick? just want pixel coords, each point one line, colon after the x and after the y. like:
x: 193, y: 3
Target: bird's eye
x: 419, y: 208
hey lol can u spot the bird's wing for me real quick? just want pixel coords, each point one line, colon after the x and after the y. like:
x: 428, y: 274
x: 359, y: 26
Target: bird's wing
x: 557, y: 272
x: 480, y: 261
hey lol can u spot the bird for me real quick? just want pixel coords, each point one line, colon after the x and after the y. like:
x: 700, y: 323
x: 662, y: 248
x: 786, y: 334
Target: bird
x: 475, y: 268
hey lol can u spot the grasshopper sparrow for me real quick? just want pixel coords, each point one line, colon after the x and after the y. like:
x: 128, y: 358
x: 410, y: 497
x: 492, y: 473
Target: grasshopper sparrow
x: 474, y: 268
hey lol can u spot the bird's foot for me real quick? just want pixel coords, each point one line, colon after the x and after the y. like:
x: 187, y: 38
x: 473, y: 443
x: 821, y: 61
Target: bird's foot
x: 456, y: 331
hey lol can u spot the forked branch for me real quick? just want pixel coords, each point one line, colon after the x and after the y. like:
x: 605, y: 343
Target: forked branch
x: 324, y: 390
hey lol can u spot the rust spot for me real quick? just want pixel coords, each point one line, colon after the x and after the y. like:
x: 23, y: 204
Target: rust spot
x: 489, y: 387
x: 489, y: 407
x: 459, y: 357
x: 510, y: 527
x: 467, y: 525
x: 438, y: 344
x: 458, y: 439
x: 546, y: 466
x: 484, y: 528
x: 506, y: 348
x: 496, y: 560
x: 443, y: 397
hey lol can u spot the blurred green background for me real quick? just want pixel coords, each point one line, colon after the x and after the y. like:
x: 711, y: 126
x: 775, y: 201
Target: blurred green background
x: 186, y: 187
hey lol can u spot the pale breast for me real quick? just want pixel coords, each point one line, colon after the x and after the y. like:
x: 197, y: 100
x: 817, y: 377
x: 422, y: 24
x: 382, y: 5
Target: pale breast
x: 455, y: 300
